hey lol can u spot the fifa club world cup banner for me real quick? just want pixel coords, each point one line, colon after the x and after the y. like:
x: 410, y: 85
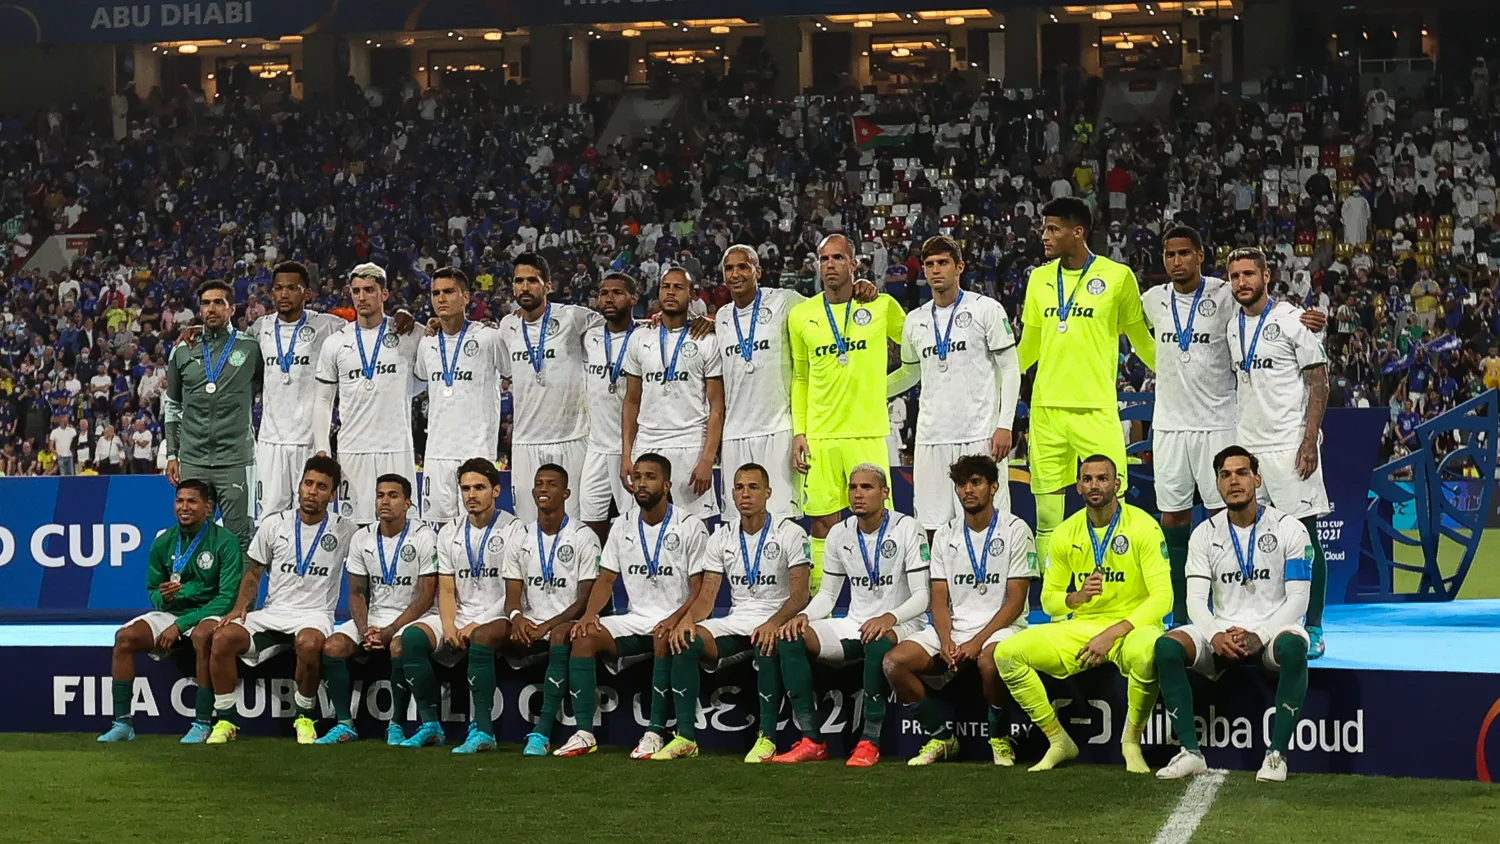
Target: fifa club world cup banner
x: 1354, y: 722
x: 76, y: 548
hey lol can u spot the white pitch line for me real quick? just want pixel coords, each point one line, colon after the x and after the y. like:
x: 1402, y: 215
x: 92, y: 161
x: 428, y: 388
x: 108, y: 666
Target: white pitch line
x: 1190, y: 810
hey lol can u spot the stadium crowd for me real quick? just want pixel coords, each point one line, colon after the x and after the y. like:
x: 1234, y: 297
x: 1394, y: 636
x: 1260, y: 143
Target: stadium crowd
x: 1380, y: 211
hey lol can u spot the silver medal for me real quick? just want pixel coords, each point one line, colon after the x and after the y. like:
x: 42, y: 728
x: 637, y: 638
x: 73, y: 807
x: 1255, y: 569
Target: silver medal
x: 286, y: 377
x: 984, y: 588
x: 942, y: 365
x: 539, y: 378
x: 447, y: 392
x: 1244, y: 377
x: 843, y: 360
x: 611, y: 388
x: 666, y: 386
x: 369, y: 385
x: 176, y: 577
x: 211, y: 388
x: 749, y: 366
x: 1062, y: 327
x: 1185, y: 356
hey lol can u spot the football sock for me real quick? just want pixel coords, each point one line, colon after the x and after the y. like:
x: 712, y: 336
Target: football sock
x: 929, y: 713
x: 336, y: 674
x: 416, y: 656
x: 307, y: 705
x: 815, y: 577
x: 1049, y: 514
x: 203, y: 705
x: 224, y: 705
x: 582, y: 674
x: 1291, y: 688
x: 685, y: 678
x: 1060, y: 747
x: 482, y: 685
x: 122, y: 690
x: 996, y: 720
x: 1176, y: 692
x: 1177, y: 554
x: 796, y: 673
x: 1140, y: 700
x: 877, y: 688
x: 553, y: 686
x: 661, y: 688
x: 768, y: 686
x: 1319, y: 585
x: 400, y: 692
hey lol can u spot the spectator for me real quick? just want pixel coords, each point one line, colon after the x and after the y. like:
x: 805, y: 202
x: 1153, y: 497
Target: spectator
x: 142, y: 449
x: 60, y: 443
x: 110, y: 453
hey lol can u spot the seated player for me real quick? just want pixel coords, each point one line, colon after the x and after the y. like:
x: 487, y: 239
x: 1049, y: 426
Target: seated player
x: 1256, y: 563
x: 659, y: 551
x: 392, y: 574
x: 1123, y: 589
x: 973, y: 609
x: 884, y: 557
x: 767, y: 562
x: 192, y: 574
x: 547, y: 584
x: 471, y: 609
x: 304, y: 551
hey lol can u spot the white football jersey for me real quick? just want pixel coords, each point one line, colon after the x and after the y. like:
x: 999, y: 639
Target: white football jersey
x: 684, y: 544
x: 477, y: 580
x: 467, y: 423
x: 1011, y: 554
x: 393, y: 572
x: 760, y: 402
x: 316, y: 588
x: 286, y: 414
x: 1273, y: 397
x: 675, y: 417
x: 574, y: 554
x: 555, y: 409
x: 901, y: 552
x: 960, y: 403
x: 605, y: 364
x: 1282, y: 552
x: 1196, y: 394
x: 786, y: 547
x: 379, y: 420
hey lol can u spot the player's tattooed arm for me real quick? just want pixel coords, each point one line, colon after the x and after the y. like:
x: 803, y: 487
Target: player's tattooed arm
x: 359, y: 601
x: 249, y: 588
x: 1316, y: 378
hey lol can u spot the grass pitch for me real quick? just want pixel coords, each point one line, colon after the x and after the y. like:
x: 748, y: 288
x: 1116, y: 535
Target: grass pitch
x: 62, y: 787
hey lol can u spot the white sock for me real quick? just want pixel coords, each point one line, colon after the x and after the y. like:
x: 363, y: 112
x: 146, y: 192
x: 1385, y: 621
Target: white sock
x: 304, y: 702
x: 224, y: 704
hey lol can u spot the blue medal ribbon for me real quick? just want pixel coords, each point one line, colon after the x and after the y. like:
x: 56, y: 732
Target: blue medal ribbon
x: 538, y: 353
x: 941, y: 341
x: 1247, y: 359
x: 368, y: 364
x: 747, y: 348
x: 669, y: 370
x: 1101, y: 547
x: 451, y: 369
x: 476, y: 565
x: 873, y: 570
x: 388, y: 573
x: 212, y: 369
x: 541, y: 549
x: 653, y: 563
x: 180, y: 557
x: 284, y: 359
x: 613, y: 363
x: 1247, y: 561
x: 1066, y: 308
x: 304, y: 562
x: 1185, y: 338
x: 981, y: 563
x: 752, y: 574
x: 838, y: 337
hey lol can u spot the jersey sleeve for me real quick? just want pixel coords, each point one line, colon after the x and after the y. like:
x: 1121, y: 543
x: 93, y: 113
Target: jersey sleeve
x: 909, y: 345
x: 998, y: 334
x: 328, y: 369
x: 940, y: 553
x: 445, y: 550
x: 411, y: 348
x: 357, y: 553
x: 632, y: 364
x: 1306, y: 345
x: 1031, y: 311
x: 714, y: 559
x: 609, y: 560
x: 1156, y: 574
x: 588, y: 555
x: 795, y: 545
x: 1200, y: 544
x: 585, y: 320
x: 833, y: 557
x: 695, y: 545
x: 1058, y: 573
x: 895, y: 318
x: 1128, y: 311
x: 513, y: 567
x: 918, y: 553
x: 713, y: 362
x: 1022, y: 562
x: 263, y: 542
x: 427, y: 555
x: 1299, y: 549
x: 158, y: 569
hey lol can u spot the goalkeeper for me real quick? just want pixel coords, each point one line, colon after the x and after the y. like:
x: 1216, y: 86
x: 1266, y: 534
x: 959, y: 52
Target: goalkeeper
x: 1117, y: 593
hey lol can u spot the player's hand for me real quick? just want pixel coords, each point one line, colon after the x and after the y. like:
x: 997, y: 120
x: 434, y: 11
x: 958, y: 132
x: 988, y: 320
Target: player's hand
x: 168, y: 638
x: 173, y: 473
x: 764, y: 638
x: 434, y: 325
x: 586, y: 626
x: 374, y: 638
x: 682, y: 635
x: 702, y: 477
x: 625, y: 469
x: 526, y: 631
x: 1093, y: 586
x: 169, y: 590
x: 1000, y: 444
x: 460, y: 637
x: 700, y: 328
x: 876, y: 627
x: 794, y: 628
x: 236, y: 614
x: 949, y: 652
x: 403, y: 321
x: 189, y: 335
x: 1315, y: 321
x: 1307, y: 458
x: 969, y: 651
x: 865, y: 291
x: 1227, y: 646
x: 1097, y: 649
x: 1251, y: 643
x: 801, y: 454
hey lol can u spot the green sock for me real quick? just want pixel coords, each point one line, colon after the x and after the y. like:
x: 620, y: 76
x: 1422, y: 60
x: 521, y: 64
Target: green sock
x: 122, y: 690
x: 1319, y: 586
x: 768, y: 686
x: 582, y: 674
x: 1291, y: 689
x: 553, y: 687
x: 203, y: 705
x: 930, y: 715
x: 995, y: 717
x: 876, y: 689
x: 336, y: 675
x: 416, y: 656
x: 685, y: 678
x: 1176, y: 693
x: 1177, y: 554
x: 797, y: 674
x: 400, y: 692
x: 661, y: 689
x: 482, y: 686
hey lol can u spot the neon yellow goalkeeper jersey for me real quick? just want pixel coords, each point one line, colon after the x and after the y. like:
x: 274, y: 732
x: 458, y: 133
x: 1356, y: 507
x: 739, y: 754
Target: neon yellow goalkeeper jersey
x: 1077, y: 368
x: 1137, y: 578
x: 843, y: 400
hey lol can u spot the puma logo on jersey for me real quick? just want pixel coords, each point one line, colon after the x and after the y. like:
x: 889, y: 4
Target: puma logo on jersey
x: 644, y: 570
x: 1238, y: 576
x: 380, y: 369
x: 760, y: 580
x: 1173, y: 338
x: 953, y: 346
x: 833, y: 349
x: 883, y: 580
x: 1077, y: 311
x: 437, y: 376
x: 733, y: 349
x: 312, y: 571
x: 524, y: 355
x: 297, y: 360
x: 971, y: 580
x: 540, y: 582
x: 483, y: 572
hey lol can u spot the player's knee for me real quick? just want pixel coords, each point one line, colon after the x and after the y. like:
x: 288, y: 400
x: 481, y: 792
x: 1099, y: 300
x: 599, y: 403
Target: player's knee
x: 203, y: 638
x: 559, y: 635
x: 128, y: 639
x: 795, y: 649
x: 1168, y: 649
x: 585, y: 647
x: 229, y: 641
x: 1008, y: 663
x: 309, y: 643
x: 415, y: 639
x: 1290, y: 650
x: 338, y: 647
x: 491, y: 635
x: 660, y: 649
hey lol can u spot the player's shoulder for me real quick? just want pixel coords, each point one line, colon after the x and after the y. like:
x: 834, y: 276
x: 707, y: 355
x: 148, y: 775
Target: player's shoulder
x: 689, y: 523
x: 262, y: 325
x: 451, y: 531
x: 789, y: 530
x: 1210, y: 529
x: 906, y: 527
x: 326, y: 322
x: 341, y: 526
x: 1288, y: 527
x: 844, y: 532
x: 809, y: 308
x: 578, y: 532
x: 1014, y: 524
x: 166, y: 540
x: 1138, y: 520
x: 422, y: 533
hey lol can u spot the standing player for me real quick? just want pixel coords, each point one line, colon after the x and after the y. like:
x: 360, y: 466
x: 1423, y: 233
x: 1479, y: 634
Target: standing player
x: 1124, y: 589
x: 674, y: 400
x: 766, y: 560
x: 658, y: 550
x: 973, y: 609
x: 1077, y: 305
x: 462, y: 363
x: 304, y: 551
x: 1282, y: 394
x: 1255, y: 562
x: 392, y: 580
x: 471, y: 609
x: 369, y: 368
x: 964, y: 347
x: 290, y: 341
x: 548, y: 573
x: 884, y: 557
x: 604, y: 348
x: 545, y: 343
x: 192, y: 575
x: 840, y: 386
